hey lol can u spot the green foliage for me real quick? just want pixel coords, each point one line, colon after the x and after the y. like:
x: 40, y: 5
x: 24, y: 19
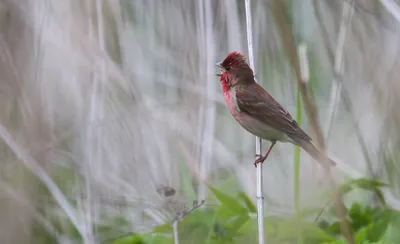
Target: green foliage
x: 364, y: 184
x: 234, y: 220
x: 137, y: 239
x: 369, y: 224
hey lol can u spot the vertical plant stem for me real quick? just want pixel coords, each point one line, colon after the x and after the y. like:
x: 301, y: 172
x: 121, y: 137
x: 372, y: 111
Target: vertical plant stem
x: 260, y: 203
x: 290, y: 48
x: 305, y: 77
x: 297, y: 174
x: 347, y: 13
x: 180, y: 216
x: 205, y: 12
x: 176, y: 233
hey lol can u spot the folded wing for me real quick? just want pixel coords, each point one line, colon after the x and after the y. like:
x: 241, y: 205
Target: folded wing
x: 258, y: 103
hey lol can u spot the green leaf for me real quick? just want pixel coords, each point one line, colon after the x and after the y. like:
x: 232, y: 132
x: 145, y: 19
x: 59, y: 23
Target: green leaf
x: 379, y: 226
x: 392, y: 234
x: 249, y: 204
x: 369, y: 183
x: 224, y: 213
x: 380, y: 196
x: 134, y: 239
x: 143, y: 239
x: 235, y: 223
x: 362, y: 183
x: 334, y: 228
x: 361, y: 235
x: 200, y: 217
x: 335, y: 242
x: 355, y: 211
x: 228, y: 202
x: 359, y: 217
x: 211, y: 228
x: 345, y: 188
x: 323, y: 224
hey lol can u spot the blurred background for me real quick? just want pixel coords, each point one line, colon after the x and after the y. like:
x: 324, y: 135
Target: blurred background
x: 103, y: 102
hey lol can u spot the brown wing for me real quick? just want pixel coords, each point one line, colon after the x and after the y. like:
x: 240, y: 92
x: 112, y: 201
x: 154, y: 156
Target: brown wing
x: 258, y: 103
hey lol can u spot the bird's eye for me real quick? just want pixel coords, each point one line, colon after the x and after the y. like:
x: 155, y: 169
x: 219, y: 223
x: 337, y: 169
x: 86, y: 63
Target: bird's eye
x: 228, y: 68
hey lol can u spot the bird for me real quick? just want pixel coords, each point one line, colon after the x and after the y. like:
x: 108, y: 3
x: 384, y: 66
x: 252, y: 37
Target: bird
x: 258, y: 112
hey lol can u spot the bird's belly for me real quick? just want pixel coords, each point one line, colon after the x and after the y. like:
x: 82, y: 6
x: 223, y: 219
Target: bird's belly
x: 259, y: 128
x: 251, y: 124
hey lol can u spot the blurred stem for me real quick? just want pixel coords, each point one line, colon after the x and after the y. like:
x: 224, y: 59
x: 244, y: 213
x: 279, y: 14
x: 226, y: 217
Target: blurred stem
x: 25, y: 157
x: 300, y: 238
x: 323, y: 29
x: 290, y: 48
x: 179, y: 217
x: 338, y: 89
x: 259, y: 190
x: 176, y: 233
x: 347, y: 13
x: 208, y: 105
x: 392, y: 8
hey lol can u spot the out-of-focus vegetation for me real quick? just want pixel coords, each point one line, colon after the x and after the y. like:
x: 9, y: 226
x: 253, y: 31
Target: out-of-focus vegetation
x: 104, y: 101
x: 233, y: 221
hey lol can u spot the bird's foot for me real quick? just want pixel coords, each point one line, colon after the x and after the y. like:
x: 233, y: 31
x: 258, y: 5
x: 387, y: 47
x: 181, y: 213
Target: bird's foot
x: 259, y: 159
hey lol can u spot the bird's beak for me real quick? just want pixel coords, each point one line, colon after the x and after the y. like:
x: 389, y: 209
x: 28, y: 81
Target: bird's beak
x: 219, y: 64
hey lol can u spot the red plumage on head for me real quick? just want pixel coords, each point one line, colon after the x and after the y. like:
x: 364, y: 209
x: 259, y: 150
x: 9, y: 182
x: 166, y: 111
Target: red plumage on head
x: 234, y: 59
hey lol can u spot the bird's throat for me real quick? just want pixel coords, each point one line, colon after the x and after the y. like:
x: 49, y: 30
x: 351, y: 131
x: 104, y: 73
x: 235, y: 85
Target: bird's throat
x: 231, y: 100
x: 225, y: 90
x: 225, y: 87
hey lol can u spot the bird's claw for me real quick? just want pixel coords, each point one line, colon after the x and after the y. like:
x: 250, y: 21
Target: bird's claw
x: 260, y: 159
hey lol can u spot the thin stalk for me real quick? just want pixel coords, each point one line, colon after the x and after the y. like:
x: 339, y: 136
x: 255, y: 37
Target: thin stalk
x: 209, y: 109
x: 260, y: 203
x: 300, y: 238
x: 176, y: 233
x: 290, y: 48
x: 347, y: 13
x: 179, y: 217
x: 305, y: 77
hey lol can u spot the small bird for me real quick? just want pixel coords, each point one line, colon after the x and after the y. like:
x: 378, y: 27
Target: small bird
x: 258, y: 112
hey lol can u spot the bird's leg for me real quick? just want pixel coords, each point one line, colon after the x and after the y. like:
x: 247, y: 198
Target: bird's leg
x: 260, y: 158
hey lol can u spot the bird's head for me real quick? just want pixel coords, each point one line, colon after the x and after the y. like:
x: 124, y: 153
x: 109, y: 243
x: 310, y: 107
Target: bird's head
x: 235, y: 70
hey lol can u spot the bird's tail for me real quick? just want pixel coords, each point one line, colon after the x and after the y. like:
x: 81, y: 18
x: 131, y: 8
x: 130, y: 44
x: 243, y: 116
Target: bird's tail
x: 309, y: 147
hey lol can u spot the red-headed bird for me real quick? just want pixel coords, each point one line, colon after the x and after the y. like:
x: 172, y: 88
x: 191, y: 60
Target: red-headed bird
x: 257, y: 111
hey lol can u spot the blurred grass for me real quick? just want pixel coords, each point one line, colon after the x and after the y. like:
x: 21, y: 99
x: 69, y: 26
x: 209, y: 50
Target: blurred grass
x: 233, y: 221
x: 296, y: 174
x: 107, y: 156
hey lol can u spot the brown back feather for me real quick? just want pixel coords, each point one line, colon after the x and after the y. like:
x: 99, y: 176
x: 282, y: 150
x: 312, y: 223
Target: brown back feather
x: 258, y: 103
